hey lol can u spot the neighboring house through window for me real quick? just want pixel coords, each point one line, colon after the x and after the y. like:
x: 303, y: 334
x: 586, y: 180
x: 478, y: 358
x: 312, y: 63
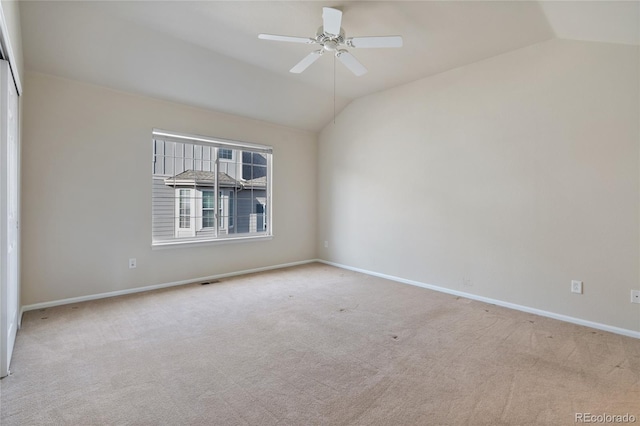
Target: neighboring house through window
x: 207, y: 189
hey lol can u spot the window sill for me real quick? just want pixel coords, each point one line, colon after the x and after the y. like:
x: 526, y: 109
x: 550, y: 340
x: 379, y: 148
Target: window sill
x: 212, y: 242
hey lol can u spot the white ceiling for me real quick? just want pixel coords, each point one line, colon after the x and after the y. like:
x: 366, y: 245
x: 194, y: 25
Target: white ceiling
x: 207, y: 53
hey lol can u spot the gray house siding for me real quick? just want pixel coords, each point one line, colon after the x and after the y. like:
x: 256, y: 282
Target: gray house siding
x: 248, y: 210
x: 173, y: 158
x: 163, y: 220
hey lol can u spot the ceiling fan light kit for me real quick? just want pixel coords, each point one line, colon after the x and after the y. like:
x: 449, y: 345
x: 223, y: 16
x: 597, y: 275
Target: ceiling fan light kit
x: 331, y: 38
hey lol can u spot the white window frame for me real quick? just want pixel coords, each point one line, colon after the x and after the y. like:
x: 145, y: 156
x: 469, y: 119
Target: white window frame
x: 189, y: 231
x: 222, y: 232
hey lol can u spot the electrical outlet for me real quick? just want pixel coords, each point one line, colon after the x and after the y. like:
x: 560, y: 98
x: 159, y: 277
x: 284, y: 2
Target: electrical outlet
x: 635, y: 296
x: 132, y: 263
x: 326, y: 244
x: 576, y: 287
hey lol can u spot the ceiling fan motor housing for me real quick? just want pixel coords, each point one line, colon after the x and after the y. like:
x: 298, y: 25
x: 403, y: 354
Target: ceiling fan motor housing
x: 329, y: 42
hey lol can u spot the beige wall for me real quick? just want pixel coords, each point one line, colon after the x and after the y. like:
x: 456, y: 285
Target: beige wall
x: 507, y: 179
x: 87, y: 192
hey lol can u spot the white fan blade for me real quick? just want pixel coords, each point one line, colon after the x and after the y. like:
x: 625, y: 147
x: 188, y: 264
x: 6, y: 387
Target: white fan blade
x: 286, y: 38
x: 351, y: 62
x: 370, y: 42
x: 306, y: 62
x: 332, y: 20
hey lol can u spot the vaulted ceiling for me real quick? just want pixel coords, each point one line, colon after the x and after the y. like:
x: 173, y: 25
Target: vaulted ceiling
x: 207, y: 54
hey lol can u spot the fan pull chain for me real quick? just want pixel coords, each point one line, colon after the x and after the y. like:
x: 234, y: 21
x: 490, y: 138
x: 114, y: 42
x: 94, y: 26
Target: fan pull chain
x: 334, y: 89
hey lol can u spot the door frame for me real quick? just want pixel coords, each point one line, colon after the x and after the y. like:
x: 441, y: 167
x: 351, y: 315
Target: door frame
x: 8, y: 333
x: 9, y: 217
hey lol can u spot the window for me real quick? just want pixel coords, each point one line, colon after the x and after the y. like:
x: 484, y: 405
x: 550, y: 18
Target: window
x: 208, y: 209
x: 226, y: 154
x: 185, y: 209
x: 261, y: 216
x: 200, y: 195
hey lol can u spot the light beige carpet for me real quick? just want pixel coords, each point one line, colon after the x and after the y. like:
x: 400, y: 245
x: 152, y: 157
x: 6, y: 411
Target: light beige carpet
x: 311, y: 345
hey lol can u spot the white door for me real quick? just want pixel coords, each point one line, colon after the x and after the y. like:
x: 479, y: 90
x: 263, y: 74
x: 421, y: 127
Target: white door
x: 9, y: 249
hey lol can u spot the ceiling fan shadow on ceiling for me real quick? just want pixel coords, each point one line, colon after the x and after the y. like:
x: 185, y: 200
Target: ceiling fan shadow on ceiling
x: 331, y: 38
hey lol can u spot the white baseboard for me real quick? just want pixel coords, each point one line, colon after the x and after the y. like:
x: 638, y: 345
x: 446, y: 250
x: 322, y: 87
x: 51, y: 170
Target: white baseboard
x: 561, y: 317
x: 53, y: 303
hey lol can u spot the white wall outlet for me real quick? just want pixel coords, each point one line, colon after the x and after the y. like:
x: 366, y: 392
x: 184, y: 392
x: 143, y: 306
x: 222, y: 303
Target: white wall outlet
x: 635, y: 296
x: 132, y: 263
x: 576, y: 287
x: 326, y: 244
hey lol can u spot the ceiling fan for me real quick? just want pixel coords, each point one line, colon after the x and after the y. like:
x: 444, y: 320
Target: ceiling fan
x: 331, y: 38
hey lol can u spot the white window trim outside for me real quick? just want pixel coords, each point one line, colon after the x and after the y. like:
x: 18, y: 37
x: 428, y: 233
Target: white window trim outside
x: 191, y: 230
